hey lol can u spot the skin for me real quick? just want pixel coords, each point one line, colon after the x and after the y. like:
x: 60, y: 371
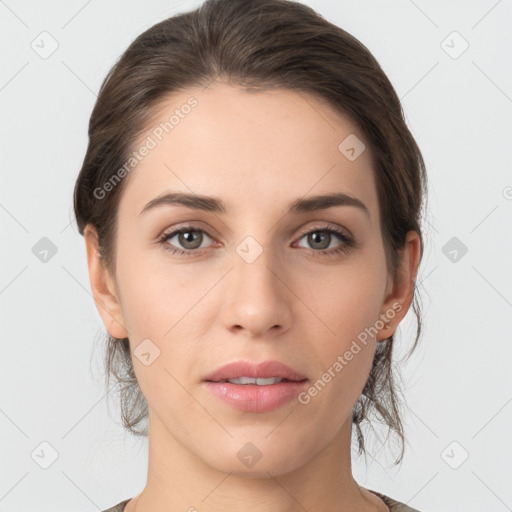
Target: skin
x: 258, y: 152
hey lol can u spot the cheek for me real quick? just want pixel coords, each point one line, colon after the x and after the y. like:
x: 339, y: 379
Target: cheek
x: 346, y: 304
x: 155, y: 293
x: 158, y: 308
x: 345, y: 301
x: 169, y: 305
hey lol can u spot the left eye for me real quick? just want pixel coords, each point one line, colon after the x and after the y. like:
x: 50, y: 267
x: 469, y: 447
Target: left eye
x: 321, y: 238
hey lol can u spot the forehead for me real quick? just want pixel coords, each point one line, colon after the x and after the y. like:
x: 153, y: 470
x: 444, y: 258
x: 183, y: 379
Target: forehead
x: 250, y: 148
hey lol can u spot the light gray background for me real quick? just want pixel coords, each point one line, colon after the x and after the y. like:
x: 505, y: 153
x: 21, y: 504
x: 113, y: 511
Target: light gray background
x: 457, y: 384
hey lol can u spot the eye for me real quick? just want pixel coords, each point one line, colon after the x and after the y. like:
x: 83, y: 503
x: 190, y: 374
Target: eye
x: 189, y: 237
x: 321, y: 238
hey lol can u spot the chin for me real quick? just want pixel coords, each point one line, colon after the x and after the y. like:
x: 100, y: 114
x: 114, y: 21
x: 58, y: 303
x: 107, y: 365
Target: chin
x: 256, y: 459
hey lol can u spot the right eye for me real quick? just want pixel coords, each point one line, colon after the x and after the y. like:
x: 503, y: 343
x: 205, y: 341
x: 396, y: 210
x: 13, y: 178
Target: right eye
x: 189, y: 237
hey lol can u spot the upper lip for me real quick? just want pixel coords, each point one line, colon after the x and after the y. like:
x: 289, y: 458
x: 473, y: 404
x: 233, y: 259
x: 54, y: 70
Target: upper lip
x: 264, y: 369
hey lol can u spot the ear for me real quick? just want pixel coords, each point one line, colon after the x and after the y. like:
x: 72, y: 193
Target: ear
x: 103, y: 287
x: 400, y: 291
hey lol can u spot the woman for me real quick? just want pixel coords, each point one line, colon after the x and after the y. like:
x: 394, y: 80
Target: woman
x: 225, y: 145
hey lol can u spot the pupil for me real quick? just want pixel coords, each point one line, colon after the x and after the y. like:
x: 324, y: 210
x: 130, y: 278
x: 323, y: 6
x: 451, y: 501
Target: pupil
x: 318, y: 236
x: 187, y: 238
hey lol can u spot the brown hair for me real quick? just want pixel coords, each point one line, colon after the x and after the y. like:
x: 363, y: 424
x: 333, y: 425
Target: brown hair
x: 256, y: 45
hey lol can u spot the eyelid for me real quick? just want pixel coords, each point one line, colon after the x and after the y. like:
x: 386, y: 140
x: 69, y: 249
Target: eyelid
x: 327, y: 226
x: 195, y: 225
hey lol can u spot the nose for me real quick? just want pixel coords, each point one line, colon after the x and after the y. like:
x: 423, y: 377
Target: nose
x: 258, y: 298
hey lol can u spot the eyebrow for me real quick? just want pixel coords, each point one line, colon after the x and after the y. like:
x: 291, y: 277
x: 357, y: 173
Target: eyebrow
x: 216, y: 205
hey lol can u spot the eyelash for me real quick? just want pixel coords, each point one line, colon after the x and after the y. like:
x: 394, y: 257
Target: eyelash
x: 346, y: 246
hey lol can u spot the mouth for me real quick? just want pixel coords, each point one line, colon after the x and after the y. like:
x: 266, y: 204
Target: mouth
x: 247, y: 372
x: 255, y: 388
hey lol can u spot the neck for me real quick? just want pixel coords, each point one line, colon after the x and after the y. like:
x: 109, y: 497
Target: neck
x: 179, y: 480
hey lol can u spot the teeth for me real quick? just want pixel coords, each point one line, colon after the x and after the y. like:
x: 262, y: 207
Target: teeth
x: 253, y: 380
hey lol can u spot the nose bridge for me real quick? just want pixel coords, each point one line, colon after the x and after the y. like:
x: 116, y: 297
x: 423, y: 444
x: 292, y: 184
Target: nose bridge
x: 255, y: 267
x: 256, y: 297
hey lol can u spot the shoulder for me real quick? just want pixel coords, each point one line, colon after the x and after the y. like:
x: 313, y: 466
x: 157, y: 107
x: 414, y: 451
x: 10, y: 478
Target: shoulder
x: 119, y: 507
x: 393, y: 505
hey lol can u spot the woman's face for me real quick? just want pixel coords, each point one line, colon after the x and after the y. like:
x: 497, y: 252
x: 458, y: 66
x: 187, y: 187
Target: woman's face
x: 251, y: 284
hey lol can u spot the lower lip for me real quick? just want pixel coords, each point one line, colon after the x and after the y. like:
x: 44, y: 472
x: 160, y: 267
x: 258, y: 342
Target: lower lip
x: 254, y: 398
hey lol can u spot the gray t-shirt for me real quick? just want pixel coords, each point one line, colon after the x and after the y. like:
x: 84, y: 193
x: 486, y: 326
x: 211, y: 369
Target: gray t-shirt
x: 394, y: 506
